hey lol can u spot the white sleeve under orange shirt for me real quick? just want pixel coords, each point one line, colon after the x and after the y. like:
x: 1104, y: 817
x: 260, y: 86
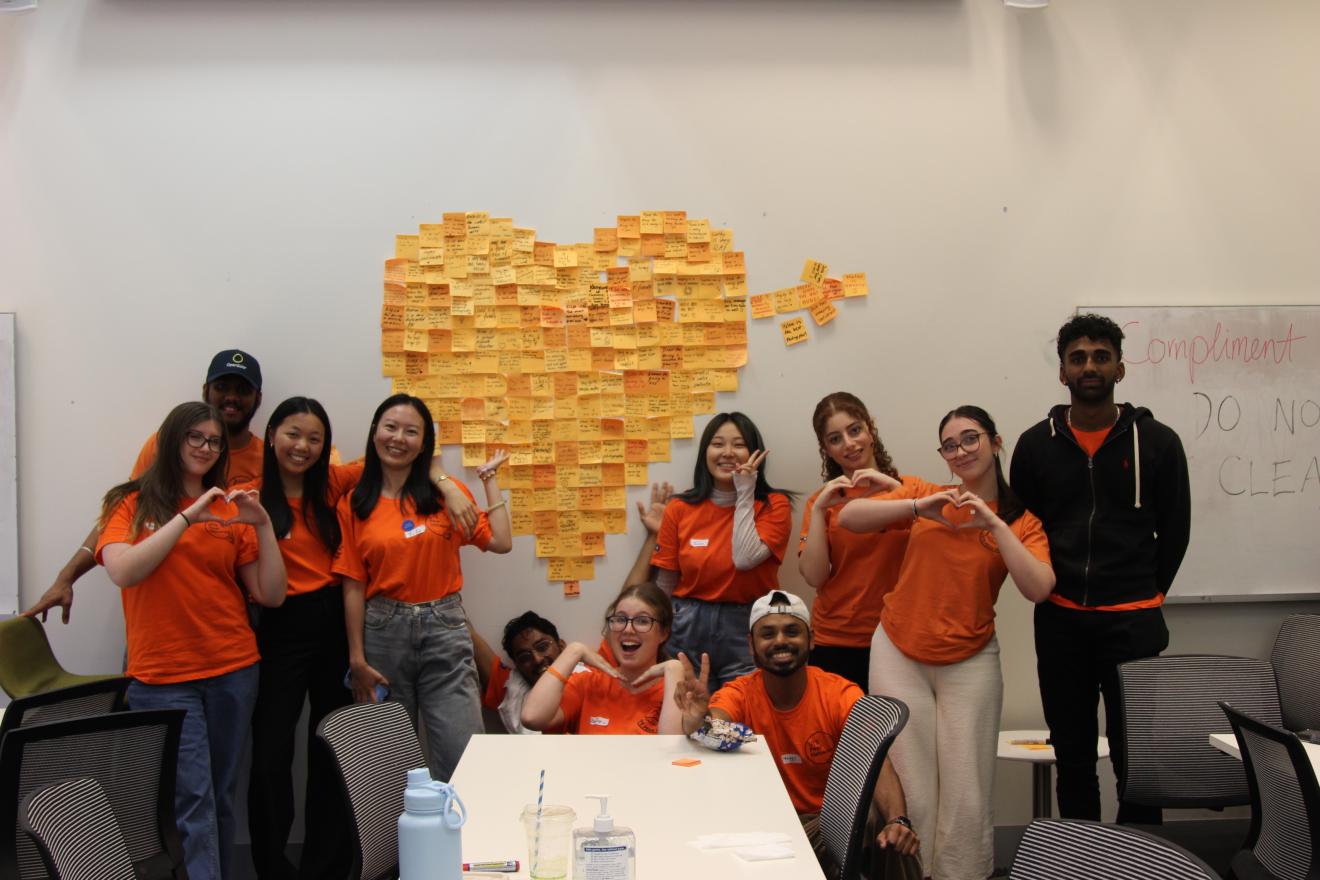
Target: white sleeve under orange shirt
x: 863, y: 570
x: 696, y: 540
x: 401, y: 555
x: 942, y: 609
x: 187, y: 620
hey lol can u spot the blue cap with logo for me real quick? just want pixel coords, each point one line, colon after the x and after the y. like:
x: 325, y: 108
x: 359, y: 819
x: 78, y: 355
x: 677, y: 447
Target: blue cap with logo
x: 232, y: 362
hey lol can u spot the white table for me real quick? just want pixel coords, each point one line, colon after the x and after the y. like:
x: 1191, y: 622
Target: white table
x: 1227, y: 743
x: 666, y: 806
x: 1032, y: 746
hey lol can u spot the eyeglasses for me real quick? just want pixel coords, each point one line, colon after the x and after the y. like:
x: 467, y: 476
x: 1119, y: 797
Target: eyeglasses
x: 196, y: 439
x: 970, y: 441
x: 640, y: 624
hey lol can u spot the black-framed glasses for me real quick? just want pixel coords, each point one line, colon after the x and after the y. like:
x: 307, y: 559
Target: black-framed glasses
x: 641, y: 623
x: 196, y: 439
x: 970, y: 441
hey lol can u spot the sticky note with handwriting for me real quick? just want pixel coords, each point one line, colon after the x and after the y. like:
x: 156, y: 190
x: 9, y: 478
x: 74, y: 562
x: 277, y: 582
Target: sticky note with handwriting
x: 794, y: 330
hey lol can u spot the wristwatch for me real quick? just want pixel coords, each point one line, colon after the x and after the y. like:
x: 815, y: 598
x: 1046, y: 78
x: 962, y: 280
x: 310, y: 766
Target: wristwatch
x: 901, y: 820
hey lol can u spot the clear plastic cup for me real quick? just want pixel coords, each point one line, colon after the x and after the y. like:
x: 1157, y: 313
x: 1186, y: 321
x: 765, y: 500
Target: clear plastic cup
x: 549, y: 840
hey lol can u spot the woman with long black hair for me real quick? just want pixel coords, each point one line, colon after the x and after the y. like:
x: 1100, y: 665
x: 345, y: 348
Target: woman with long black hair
x: 403, y: 613
x: 719, y: 546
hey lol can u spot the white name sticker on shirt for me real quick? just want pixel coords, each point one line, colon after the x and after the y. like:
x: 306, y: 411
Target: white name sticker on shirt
x: 598, y: 721
x: 699, y: 542
x: 790, y: 758
x: 414, y: 532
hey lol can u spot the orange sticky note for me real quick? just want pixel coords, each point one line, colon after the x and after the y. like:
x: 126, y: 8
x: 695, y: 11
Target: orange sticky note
x: 572, y: 589
x: 814, y: 271
x: 763, y: 305
x: 824, y: 312
x: 833, y: 288
x: 686, y: 762
x: 794, y: 330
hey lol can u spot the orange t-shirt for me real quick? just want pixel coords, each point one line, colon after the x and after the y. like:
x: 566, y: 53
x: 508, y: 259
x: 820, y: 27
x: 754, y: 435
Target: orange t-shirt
x: 596, y: 703
x: 244, y: 463
x: 496, y: 685
x: 696, y: 540
x: 399, y: 555
x: 863, y: 568
x: 187, y: 620
x: 801, y: 739
x: 1091, y: 441
x: 307, y: 560
x: 942, y: 610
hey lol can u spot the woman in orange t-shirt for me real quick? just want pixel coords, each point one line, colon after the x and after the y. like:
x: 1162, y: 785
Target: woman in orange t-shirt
x: 935, y: 648
x: 719, y: 546
x: 851, y: 573
x: 185, y: 554
x: 637, y: 697
x: 407, y: 631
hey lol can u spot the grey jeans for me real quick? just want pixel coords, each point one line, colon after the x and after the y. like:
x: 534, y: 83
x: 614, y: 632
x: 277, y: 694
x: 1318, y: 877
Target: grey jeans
x: 718, y: 629
x: 426, y: 653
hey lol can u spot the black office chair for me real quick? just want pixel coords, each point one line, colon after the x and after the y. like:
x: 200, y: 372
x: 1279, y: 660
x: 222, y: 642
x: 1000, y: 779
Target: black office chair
x: 1295, y: 658
x: 1170, y: 708
x: 77, y: 701
x: 76, y: 832
x: 131, y: 754
x: 870, y: 730
x: 1285, y: 803
x: 374, y: 746
x: 1076, y: 849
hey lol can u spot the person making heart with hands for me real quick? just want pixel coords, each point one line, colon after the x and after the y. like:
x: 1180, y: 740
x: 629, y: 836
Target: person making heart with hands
x: 935, y: 648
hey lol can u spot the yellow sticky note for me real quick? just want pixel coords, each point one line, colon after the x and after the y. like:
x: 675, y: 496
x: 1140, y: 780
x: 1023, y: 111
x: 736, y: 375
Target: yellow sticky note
x: 824, y: 312
x: 814, y: 271
x: 854, y: 284
x: 787, y: 300
x: 794, y: 330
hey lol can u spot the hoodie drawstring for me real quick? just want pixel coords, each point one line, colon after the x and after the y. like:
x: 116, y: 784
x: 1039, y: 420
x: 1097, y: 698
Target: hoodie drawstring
x: 1136, y: 466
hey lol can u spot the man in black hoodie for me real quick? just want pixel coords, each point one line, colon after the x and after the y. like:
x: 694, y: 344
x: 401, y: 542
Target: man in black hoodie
x: 1110, y: 485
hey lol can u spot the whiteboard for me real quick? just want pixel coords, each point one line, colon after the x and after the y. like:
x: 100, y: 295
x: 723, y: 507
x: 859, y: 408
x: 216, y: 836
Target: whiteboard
x: 1241, y: 386
x: 8, y: 471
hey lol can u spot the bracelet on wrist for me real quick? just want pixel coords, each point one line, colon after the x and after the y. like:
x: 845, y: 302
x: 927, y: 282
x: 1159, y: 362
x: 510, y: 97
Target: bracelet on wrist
x: 915, y: 515
x: 187, y: 523
x: 90, y: 552
x: 557, y: 674
x: 901, y: 820
x: 495, y: 507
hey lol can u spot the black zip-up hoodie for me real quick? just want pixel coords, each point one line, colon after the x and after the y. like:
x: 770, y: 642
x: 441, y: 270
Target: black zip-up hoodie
x: 1118, y: 523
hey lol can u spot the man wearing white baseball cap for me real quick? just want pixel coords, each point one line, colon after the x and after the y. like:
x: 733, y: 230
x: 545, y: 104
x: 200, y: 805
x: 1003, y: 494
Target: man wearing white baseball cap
x: 800, y: 711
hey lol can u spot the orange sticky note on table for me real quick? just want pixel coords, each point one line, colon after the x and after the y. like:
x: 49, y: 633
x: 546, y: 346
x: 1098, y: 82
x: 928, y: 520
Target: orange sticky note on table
x: 794, y: 330
x: 686, y: 762
x: 824, y: 312
x: 854, y: 284
x: 814, y: 271
x: 763, y: 305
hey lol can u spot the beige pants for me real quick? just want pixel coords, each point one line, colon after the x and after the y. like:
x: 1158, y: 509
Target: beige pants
x: 945, y: 757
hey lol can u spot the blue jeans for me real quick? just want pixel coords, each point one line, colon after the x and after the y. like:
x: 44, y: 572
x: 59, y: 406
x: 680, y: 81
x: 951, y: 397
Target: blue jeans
x: 715, y: 628
x: 215, y: 728
x: 426, y: 654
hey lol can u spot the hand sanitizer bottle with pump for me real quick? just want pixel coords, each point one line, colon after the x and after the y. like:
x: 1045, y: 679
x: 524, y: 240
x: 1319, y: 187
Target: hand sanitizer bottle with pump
x: 604, y: 852
x: 430, y: 835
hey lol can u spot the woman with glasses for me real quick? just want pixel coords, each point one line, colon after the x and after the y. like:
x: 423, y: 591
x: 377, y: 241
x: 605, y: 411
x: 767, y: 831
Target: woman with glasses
x: 636, y: 697
x: 188, y: 555
x: 719, y: 546
x: 935, y: 648
x: 850, y: 573
x: 403, y: 612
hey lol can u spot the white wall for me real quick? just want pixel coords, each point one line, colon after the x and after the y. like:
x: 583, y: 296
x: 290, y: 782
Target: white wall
x: 180, y: 177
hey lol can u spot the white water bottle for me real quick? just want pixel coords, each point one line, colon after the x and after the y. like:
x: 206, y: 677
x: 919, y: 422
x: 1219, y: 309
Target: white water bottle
x: 430, y: 830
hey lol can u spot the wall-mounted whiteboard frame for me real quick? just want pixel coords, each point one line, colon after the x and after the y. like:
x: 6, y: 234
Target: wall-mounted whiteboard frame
x: 1241, y: 386
x: 9, y: 598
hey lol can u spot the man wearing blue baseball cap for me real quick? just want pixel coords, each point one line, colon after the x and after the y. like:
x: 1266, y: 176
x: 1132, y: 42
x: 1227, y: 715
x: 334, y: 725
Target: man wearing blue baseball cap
x: 233, y: 386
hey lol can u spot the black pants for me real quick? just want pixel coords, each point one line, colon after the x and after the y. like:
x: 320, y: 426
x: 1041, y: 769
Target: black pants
x: 1077, y: 657
x: 304, y: 654
x: 853, y: 664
